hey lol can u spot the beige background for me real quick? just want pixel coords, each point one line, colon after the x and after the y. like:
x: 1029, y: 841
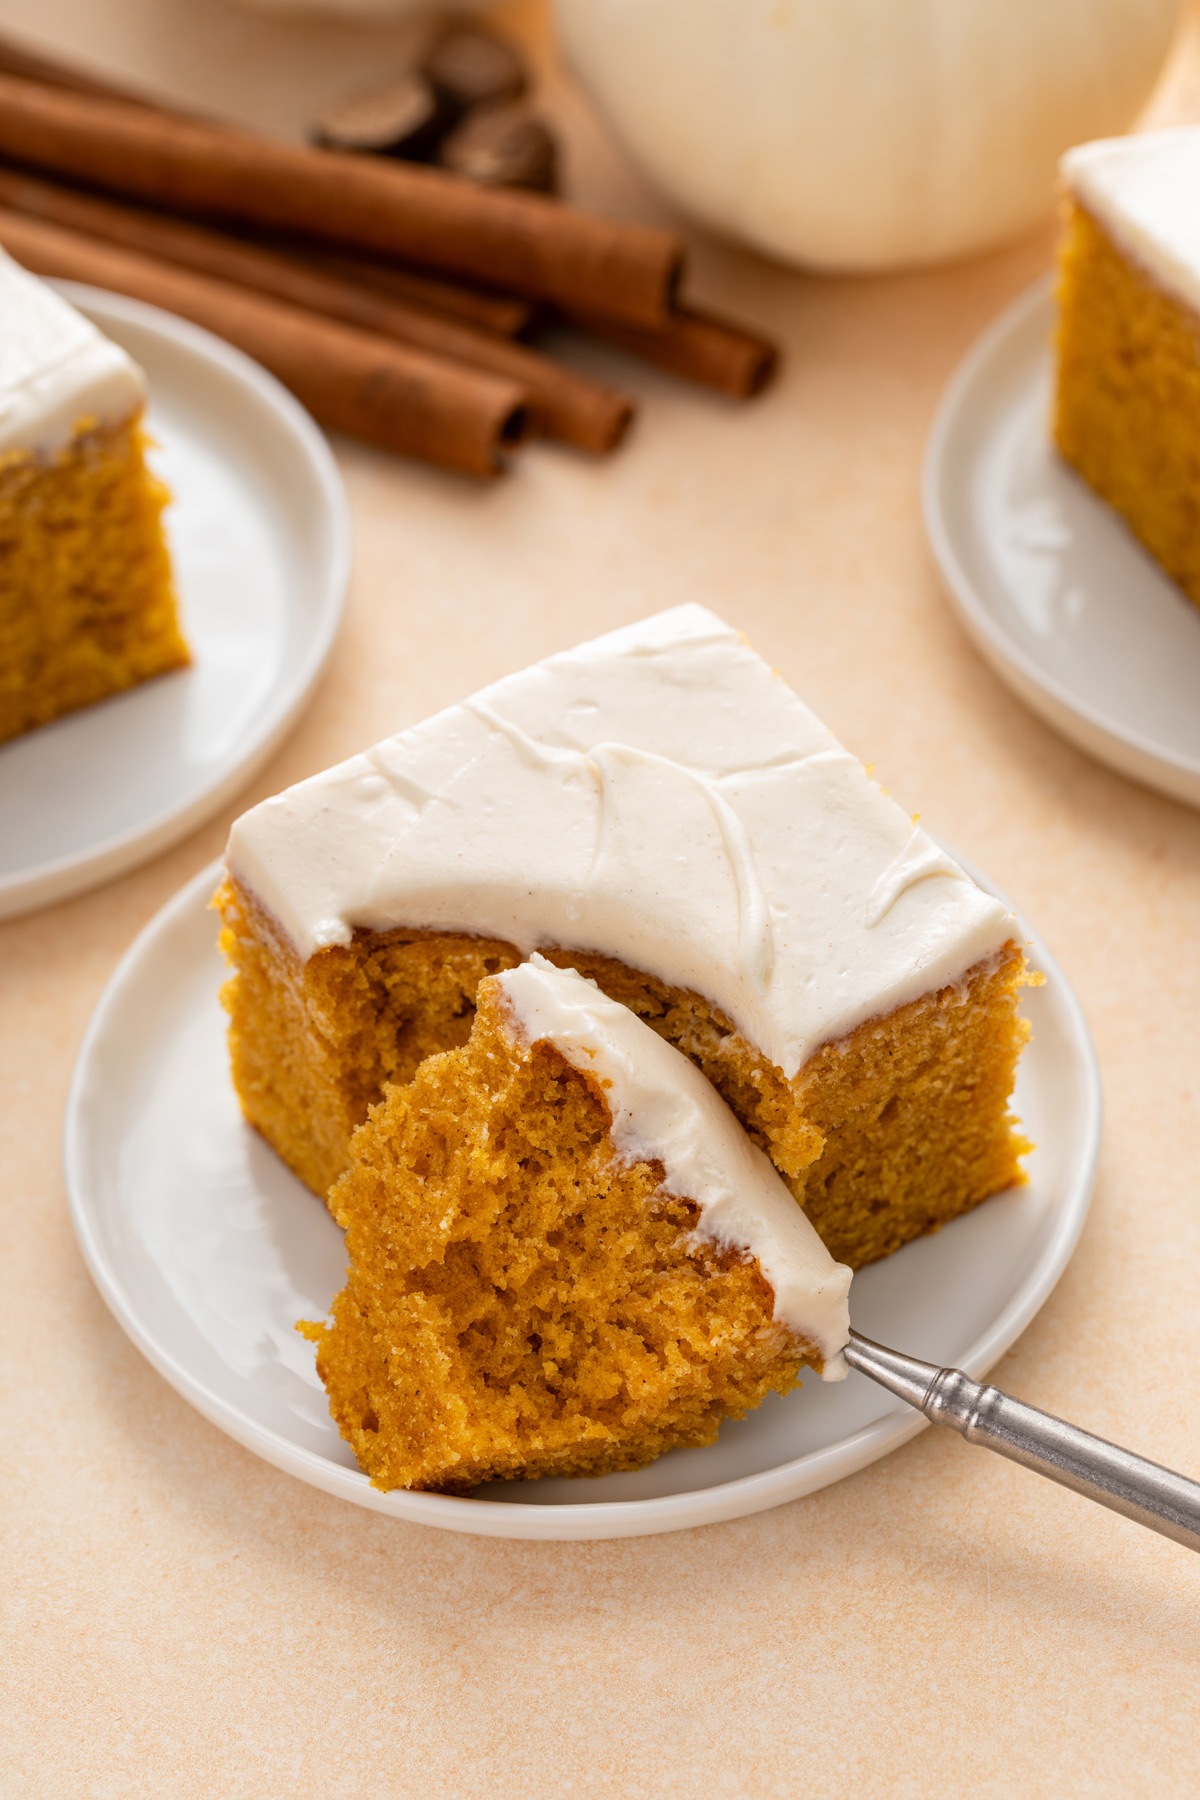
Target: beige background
x: 180, y: 1619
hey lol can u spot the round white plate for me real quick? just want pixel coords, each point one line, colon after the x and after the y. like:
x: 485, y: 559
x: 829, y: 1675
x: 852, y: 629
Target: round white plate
x: 208, y: 1251
x: 1057, y: 593
x: 260, y: 539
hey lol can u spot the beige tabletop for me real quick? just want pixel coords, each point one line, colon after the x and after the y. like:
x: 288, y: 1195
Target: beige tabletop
x: 180, y: 1619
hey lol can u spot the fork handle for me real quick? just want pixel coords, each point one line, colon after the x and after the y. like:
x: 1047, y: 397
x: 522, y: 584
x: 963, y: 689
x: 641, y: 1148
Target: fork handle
x: 1144, y: 1491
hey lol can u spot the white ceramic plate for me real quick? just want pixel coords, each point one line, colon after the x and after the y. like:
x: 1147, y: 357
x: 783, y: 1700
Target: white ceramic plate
x: 1058, y: 595
x: 260, y: 539
x: 208, y: 1251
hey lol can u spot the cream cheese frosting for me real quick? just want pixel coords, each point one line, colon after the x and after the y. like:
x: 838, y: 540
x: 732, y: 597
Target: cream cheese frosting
x: 663, y: 1109
x: 1144, y: 191
x: 658, y: 795
x: 56, y: 369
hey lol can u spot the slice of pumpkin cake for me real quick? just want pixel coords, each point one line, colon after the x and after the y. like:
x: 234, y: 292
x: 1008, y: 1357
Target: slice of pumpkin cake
x: 1128, y: 393
x: 87, y: 604
x: 565, y: 1255
x: 658, y: 810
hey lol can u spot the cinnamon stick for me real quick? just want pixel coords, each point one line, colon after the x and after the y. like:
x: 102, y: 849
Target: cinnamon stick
x: 351, y: 380
x: 504, y: 314
x: 565, y: 405
x: 515, y: 239
x: 697, y: 345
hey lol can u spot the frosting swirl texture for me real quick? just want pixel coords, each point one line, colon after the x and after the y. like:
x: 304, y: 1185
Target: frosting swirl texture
x: 659, y: 796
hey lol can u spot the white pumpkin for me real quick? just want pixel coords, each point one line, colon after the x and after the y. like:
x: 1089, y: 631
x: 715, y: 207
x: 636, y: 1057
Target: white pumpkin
x: 864, y: 134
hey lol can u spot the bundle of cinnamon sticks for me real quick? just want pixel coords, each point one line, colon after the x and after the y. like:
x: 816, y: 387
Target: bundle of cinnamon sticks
x: 389, y: 297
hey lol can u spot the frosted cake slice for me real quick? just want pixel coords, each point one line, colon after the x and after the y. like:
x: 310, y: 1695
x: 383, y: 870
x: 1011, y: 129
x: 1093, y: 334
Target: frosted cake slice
x: 87, y: 605
x: 658, y: 810
x: 1128, y: 392
x: 565, y: 1254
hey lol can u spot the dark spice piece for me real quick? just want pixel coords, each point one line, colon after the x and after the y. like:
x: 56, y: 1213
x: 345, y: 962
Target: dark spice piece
x: 503, y: 146
x: 405, y: 118
x: 468, y: 66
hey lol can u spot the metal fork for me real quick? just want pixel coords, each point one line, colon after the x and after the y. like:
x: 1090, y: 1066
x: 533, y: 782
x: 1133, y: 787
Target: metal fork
x: 1145, y: 1491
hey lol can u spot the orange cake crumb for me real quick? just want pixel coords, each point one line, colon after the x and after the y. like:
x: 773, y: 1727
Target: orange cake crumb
x: 87, y: 603
x: 1128, y: 396
x: 521, y: 1300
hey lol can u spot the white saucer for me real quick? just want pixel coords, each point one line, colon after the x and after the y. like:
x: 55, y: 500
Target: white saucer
x: 1058, y: 595
x: 260, y: 537
x: 208, y: 1251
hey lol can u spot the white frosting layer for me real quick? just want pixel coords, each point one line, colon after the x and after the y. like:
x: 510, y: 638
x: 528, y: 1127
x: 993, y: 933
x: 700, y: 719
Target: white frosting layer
x: 56, y: 369
x: 663, y: 1109
x: 1145, y: 192
x: 659, y: 796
